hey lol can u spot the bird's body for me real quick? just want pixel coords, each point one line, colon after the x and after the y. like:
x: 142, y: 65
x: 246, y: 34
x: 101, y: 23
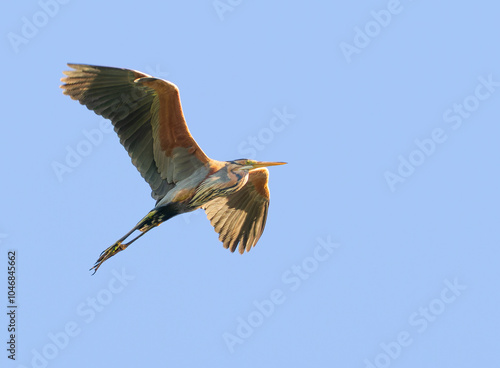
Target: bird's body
x: 147, y: 115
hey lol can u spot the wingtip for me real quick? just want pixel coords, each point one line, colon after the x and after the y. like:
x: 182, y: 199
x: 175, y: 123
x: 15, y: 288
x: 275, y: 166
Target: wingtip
x: 72, y: 65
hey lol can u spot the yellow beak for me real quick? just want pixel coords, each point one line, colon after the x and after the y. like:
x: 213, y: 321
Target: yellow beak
x: 265, y: 164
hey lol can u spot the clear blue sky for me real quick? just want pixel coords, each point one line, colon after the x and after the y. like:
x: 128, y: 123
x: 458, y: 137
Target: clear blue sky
x: 382, y: 242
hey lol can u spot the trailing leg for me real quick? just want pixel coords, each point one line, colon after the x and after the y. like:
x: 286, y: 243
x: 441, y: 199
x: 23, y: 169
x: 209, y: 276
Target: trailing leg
x: 146, y: 224
x: 151, y: 220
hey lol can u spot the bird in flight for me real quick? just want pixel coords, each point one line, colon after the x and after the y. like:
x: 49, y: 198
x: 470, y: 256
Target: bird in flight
x: 147, y: 115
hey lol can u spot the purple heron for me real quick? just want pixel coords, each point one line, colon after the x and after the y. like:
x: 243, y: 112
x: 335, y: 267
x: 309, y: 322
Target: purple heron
x: 147, y: 115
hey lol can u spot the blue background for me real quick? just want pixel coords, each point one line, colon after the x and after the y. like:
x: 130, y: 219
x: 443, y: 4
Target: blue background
x: 381, y: 296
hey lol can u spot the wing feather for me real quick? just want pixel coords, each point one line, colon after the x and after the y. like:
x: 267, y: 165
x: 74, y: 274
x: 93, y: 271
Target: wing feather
x: 147, y: 116
x: 240, y: 218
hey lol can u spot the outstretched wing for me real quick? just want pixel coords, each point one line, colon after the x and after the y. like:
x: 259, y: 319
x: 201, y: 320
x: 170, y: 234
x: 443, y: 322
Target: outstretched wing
x: 146, y: 113
x: 240, y: 217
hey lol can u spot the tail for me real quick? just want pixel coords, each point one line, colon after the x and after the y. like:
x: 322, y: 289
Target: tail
x: 151, y: 220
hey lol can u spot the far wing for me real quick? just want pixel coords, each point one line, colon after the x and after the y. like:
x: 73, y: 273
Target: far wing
x: 146, y: 113
x: 240, y: 217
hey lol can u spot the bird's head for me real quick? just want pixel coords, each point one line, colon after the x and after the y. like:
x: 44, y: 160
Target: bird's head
x: 248, y: 165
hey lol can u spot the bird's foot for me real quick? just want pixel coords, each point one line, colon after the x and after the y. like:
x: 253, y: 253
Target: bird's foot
x: 108, y: 253
x: 147, y: 223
